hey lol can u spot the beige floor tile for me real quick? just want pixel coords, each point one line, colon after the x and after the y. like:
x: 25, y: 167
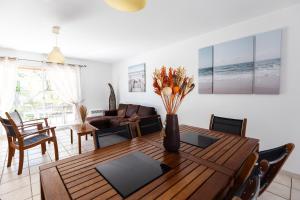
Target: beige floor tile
x: 296, y: 183
x: 35, y: 178
x: 283, y: 179
x: 280, y: 190
x: 14, y: 185
x: 34, y: 169
x: 13, y: 176
x: 36, y: 189
x: 270, y: 196
x: 36, y: 197
x: 20, y: 194
x: 295, y: 194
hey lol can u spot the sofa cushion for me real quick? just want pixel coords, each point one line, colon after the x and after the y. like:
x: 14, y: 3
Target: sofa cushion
x: 131, y: 109
x: 146, y: 111
x: 122, y: 106
x: 121, y: 113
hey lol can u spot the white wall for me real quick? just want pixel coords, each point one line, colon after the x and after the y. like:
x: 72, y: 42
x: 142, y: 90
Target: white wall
x: 273, y: 119
x: 94, y: 77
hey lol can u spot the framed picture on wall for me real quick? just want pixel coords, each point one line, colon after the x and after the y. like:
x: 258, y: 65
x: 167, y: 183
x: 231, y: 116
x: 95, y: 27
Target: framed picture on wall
x: 249, y: 65
x: 137, y: 78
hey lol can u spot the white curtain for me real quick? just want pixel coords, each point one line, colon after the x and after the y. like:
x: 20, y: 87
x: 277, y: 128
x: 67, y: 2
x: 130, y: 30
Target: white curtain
x: 8, y: 83
x: 65, y: 80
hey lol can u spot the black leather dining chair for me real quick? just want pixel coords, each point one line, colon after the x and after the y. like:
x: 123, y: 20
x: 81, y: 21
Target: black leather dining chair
x: 228, y: 125
x: 109, y: 136
x: 276, y: 158
x: 149, y: 125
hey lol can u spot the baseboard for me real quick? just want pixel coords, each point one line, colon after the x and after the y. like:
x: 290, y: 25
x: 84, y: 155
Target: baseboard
x: 291, y: 174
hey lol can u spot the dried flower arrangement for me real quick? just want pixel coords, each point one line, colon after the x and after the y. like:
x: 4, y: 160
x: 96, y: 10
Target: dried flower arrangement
x: 83, y: 113
x: 172, y: 86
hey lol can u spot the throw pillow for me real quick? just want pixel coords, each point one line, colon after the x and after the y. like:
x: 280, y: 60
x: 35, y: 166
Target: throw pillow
x: 121, y: 113
x: 134, y: 117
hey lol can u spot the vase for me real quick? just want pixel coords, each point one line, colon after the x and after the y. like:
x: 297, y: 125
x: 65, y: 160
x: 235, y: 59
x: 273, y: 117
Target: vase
x: 172, y: 136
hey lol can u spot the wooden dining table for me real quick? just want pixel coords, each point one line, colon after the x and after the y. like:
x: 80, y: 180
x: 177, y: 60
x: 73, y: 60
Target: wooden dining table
x: 195, y: 173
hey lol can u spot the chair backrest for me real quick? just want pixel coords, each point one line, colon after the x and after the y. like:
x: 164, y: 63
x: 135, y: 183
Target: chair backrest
x: 276, y: 158
x: 227, y: 125
x: 149, y: 125
x: 243, y: 174
x: 15, y: 115
x: 123, y: 131
x: 249, y: 190
x: 10, y: 132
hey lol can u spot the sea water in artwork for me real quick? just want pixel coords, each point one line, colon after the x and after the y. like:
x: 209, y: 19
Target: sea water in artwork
x: 234, y: 67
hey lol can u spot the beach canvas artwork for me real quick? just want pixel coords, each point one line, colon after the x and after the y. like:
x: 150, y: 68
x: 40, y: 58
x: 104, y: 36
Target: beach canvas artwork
x: 233, y: 67
x: 243, y: 66
x: 205, y: 70
x: 137, y: 78
x: 267, y: 63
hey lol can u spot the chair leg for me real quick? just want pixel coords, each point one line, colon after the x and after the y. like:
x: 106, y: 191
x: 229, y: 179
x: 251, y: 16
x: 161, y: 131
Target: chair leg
x: 11, y: 152
x: 21, y: 160
x: 43, y: 145
x: 55, y: 148
x: 48, y: 132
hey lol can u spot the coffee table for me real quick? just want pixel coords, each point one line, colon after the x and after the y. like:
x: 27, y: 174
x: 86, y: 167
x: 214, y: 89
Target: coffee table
x: 81, y: 131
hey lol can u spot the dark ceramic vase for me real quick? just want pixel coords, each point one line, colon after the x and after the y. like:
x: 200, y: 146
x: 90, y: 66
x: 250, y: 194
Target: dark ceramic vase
x: 172, y: 137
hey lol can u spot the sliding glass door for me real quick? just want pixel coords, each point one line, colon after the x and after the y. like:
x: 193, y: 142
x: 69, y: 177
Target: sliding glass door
x: 35, y: 98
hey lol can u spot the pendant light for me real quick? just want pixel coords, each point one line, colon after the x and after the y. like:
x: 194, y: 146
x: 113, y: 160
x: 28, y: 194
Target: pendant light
x: 55, y: 56
x: 127, y: 5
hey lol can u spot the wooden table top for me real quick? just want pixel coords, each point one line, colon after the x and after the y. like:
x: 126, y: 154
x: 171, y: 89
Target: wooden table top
x: 80, y: 129
x: 196, y: 173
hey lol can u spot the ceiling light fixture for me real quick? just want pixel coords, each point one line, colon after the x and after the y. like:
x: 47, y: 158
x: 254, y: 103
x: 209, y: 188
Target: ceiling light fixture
x: 55, y: 55
x: 127, y: 5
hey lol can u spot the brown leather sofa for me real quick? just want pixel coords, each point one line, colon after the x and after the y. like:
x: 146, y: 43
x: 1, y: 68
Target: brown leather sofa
x: 125, y: 113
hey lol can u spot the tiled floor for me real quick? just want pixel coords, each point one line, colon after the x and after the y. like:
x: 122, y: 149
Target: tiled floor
x: 27, y: 185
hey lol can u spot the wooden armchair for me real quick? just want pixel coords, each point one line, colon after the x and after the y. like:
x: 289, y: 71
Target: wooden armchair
x: 30, y: 125
x: 19, y: 138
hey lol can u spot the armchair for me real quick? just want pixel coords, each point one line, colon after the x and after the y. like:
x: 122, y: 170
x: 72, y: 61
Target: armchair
x: 18, y: 137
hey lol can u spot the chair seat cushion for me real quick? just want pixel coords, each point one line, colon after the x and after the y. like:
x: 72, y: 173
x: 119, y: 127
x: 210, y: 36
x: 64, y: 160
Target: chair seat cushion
x: 34, y: 139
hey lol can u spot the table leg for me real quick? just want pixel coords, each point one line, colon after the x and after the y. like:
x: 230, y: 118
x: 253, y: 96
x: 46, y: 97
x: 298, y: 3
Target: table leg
x: 71, y: 136
x: 79, y: 144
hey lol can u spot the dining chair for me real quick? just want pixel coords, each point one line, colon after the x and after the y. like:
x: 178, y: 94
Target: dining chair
x: 109, y: 136
x: 149, y: 125
x: 22, y: 141
x: 250, y: 189
x: 243, y: 174
x: 228, y: 125
x: 276, y: 158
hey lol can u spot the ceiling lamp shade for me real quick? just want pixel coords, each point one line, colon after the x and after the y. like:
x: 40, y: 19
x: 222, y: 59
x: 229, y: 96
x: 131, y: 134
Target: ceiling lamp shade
x: 127, y: 5
x: 55, y: 56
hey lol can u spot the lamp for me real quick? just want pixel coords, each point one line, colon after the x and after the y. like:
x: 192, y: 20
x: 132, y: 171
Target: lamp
x: 127, y: 5
x: 55, y: 55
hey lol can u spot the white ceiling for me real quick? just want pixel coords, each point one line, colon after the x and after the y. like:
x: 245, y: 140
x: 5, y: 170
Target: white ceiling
x: 92, y: 30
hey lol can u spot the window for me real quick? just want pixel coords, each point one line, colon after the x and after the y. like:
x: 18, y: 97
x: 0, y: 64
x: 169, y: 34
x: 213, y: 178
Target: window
x: 35, y: 98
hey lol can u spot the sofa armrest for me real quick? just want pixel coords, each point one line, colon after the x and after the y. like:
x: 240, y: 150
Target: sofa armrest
x: 111, y: 113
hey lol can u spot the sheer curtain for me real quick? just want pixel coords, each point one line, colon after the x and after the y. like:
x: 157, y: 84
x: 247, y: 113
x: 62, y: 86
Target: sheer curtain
x: 65, y: 80
x: 8, y: 83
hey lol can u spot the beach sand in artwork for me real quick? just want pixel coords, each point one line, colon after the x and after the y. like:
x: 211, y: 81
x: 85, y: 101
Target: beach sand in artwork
x: 237, y: 84
x: 267, y: 77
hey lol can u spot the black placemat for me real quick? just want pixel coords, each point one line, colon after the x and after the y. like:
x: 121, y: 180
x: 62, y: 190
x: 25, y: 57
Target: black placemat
x: 198, y: 139
x: 131, y: 172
